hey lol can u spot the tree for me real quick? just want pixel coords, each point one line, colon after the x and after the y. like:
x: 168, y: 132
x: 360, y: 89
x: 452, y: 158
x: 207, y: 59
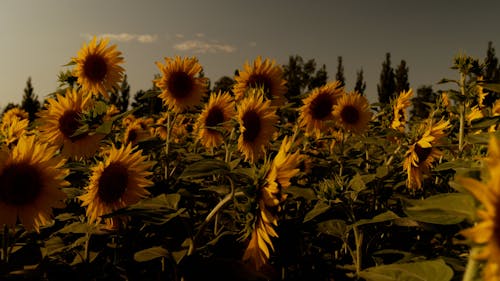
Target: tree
x: 360, y: 86
x: 421, y: 102
x: 30, y: 101
x: 339, y: 76
x: 147, y: 103
x: 120, y: 98
x: 224, y: 84
x: 491, y: 73
x: 401, y: 78
x: 387, y: 85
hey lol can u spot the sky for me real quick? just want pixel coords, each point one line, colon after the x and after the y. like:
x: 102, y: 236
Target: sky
x: 38, y: 37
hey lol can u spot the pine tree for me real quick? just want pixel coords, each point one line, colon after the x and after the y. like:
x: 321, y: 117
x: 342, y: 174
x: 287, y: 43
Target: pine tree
x: 224, y: 84
x: 30, y: 101
x: 424, y: 97
x: 360, y: 86
x: 491, y: 73
x: 401, y: 76
x: 124, y: 95
x: 387, y: 86
x: 339, y: 76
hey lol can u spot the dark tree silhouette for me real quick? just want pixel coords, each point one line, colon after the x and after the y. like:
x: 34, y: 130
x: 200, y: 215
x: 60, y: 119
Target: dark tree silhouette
x: 360, y: 86
x: 387, y: 85
x: 401, y: 78
x: 30, y: 101
x: 339, y: 76
x: 425, y: 96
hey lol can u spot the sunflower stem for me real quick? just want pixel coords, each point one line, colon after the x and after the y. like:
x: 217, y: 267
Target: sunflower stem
x: 358, y: 239
x: 462, y: 115
x: 5, y: 244
x: 472, y: 266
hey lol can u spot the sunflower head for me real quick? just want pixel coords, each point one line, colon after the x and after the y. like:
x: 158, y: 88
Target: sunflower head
x: 138, y: 130
x: 61, y: 124
x: 214, y: 119
x: 256, y: 118
x: 401, y: 103
x: 98, y: 68
x: 31, y: 178
x: 352, y: 112
x: 263, y: 74
x: 14, y: 113
x: 116, y: 182
x: 181, y: 86
x: 318, y: 107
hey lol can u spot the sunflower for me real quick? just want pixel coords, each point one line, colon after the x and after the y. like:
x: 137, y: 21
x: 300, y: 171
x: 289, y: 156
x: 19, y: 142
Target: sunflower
x: 180, y: 87
x: 116, y: 182
x: 179, y: 130
x: 352, y: 112
x: 14, y: 113
x: 481, y: 94
x: 421, y: 155
x: 283, y: 168
x: 62, y: 119
x: 13, y: 130
x: 318, y: 108
x: 98, y: 67
x: 138, y: 130
x: 401, y: 103
x: 263, y: 74
x: 487, y: 231
x: 215, y: 116
x: 256, y: 118
x: 31, y: 178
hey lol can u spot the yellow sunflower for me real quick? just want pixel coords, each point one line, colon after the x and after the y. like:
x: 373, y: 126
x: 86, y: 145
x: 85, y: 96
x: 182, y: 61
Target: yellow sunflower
x: 139, y: 130
x: 262, y: 74
x: 402, y: 102
x: 13, y: 130
x: 61, y: 120
x: 118, y: 181
x: 487, y: 231
x: 14, y: 113
x: 421, y: 155
x: 318, y: 108
x: 215, y: 116
x: 352, y: 112
x: 98, y: 67
x: 256, y: 118
x: 180, y: 87
x: 495, y: 111
x: 31, y: 178
x: 283, y: 168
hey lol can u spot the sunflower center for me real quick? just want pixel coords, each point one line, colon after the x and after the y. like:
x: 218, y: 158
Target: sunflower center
x: 69, y: 124
x: 112, y: 183
x: 349, y: 114
x: 321, y: 106
x: 422, y: 153
x: 180, y: 84
x: 261, y: 80
x: 95, y: 68
x: 21, y: 184
x: 215, y: 117
x: 251, y: 122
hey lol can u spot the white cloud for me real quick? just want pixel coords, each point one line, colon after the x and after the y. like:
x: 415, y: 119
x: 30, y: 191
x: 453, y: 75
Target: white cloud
x: 202, y: 47
x: 125, y: 37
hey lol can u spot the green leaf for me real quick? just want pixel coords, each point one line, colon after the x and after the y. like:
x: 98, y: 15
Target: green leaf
x: 494, y: 87
x: 435, y: 270
x: 297, y: 192
x: 150, y: 254
x: 386, y: 216
x: 357, y: 183
x: 319, y: 208
x: 445, y: 209
x: 205, y: 167
x: 334, y: 227
x: 104, y: 128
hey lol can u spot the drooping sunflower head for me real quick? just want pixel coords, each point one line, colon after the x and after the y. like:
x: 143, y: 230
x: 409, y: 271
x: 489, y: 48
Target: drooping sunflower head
x: 12, y: 131
x: 474, y: 113
x: 401, y: 103
x: 317, y: 110
x: 214, y: 119
x: 352, y: 112
x: 263, y: 74
x: 116, y: 182
x: 423, y: 153
x: 256, y: 119
x: 31, y: 178
x: 98, y: 67
x: 139, y: 129
x: 181, y: 86
x: 61, y: 120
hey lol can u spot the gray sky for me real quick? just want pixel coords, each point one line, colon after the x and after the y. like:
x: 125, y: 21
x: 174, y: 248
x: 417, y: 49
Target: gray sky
x: 40, y: 36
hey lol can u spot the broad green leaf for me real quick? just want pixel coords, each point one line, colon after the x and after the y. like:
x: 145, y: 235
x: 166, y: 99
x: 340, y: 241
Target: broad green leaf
x: 205, y: 167
x: 386, y: 216
x: 150, y: 254
x: 494, y: 87
x: 453, y: 165
x: 357, y: 184
x: 382, y: 171
x: 319, y: 208
x: 435, y: 270
x: 446, y: 209
x: 306, y: 193
x: 484, y: 122
x: 337, y: 228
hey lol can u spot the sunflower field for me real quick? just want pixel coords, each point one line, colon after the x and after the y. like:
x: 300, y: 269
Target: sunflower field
x: 245, y: 184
